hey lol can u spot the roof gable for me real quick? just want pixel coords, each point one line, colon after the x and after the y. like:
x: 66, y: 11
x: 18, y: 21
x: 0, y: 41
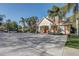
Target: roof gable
x: 46, y: 19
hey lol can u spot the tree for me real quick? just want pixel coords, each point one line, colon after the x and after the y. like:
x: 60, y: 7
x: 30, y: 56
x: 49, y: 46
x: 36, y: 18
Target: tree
x: 14, y: 25
x: 55, y: 11
x: 19, y: 27
x: 75, y: 8
x: 31, y: 21
x: 23, y: 21
x: 8, y: 24
x: 66, y: 8
x: 72, y: 20
x: 11, y: 25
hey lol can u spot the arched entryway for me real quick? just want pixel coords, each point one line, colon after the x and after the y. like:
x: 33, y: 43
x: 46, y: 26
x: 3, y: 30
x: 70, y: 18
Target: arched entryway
x: 44, y: 29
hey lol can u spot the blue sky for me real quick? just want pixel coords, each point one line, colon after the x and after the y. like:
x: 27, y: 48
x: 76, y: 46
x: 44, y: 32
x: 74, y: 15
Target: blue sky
x: 15, y: 11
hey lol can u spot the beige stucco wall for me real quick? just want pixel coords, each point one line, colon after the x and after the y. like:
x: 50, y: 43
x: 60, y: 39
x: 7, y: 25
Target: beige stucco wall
x: 45, y: 22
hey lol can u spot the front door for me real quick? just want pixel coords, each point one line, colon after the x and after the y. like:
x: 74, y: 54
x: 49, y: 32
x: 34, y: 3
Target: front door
x: 44, y: 29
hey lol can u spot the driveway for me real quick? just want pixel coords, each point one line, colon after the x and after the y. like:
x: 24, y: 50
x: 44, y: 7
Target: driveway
x: 29, y: 44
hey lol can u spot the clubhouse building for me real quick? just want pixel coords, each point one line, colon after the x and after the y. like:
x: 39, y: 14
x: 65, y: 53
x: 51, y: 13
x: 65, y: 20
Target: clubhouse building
x: 54, y: 25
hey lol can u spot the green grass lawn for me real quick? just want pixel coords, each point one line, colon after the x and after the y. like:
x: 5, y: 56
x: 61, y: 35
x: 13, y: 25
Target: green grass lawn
x: 73, y: 41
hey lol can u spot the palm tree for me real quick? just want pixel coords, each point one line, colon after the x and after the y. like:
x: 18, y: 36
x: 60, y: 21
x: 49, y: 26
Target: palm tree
x: 74, y: 7
x: 22, y: 21
x: 55, y: 11
x: 75, y: 11
x: 31, y: 21
x: 66, y: 8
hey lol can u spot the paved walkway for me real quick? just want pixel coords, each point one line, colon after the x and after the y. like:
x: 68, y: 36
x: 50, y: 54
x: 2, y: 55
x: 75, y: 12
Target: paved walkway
x: 21, y: 44
x: 70, y: 52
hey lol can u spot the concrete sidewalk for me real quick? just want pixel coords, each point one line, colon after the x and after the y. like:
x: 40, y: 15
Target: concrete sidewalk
x: 70, y: 51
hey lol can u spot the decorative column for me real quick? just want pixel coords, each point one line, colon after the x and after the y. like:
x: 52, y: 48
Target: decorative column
x: 65, y: 29
x: 38, y: 28
x: 50, y: 28
x: 77, y: 25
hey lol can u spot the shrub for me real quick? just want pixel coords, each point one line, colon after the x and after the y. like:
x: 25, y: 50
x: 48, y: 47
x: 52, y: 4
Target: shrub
x: 55, y: 33
x: 32, y: 30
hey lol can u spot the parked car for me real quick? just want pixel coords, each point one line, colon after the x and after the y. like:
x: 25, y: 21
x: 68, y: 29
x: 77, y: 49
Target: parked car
x: 5, y: 30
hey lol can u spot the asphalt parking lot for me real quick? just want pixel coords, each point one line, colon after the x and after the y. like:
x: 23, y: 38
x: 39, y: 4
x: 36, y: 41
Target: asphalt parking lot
x: 29, y: 44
